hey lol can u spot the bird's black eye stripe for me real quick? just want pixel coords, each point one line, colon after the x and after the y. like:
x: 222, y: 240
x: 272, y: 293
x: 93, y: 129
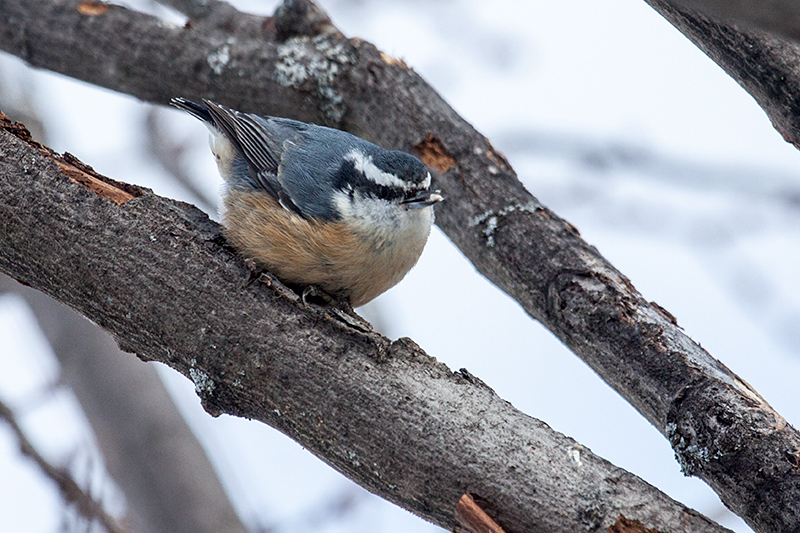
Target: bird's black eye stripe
x: 383, y: 192
x: 349, y: 180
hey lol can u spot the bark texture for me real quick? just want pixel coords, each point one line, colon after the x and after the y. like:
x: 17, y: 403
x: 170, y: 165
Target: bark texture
x: 296, y: 64
x: 157, y: 274
x: 781, y: 17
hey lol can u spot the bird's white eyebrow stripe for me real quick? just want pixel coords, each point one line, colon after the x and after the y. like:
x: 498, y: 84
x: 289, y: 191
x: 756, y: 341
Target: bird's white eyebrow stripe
x: 426, y: 182
x: 364, y: 164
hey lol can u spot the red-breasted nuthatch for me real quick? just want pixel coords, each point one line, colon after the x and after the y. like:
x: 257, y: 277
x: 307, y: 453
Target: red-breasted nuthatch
x: 319, y: 206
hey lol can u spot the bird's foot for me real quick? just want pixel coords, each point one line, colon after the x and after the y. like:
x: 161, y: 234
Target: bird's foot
x: 341, y: 305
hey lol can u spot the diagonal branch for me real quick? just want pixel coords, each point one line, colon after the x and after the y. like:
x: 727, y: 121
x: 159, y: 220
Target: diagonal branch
x: 781, y: 17
x: 157, y: 274
x: 766, y: 66
x: 721, y: 430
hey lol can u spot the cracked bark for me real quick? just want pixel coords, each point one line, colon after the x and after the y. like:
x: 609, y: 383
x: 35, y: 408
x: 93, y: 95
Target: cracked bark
x: 297, y: 65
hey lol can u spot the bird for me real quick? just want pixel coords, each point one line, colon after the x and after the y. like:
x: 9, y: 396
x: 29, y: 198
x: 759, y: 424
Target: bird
x: 318, y: 207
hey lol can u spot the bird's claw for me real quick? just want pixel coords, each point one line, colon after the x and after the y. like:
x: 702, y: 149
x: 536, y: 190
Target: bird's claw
x: 341, y: 306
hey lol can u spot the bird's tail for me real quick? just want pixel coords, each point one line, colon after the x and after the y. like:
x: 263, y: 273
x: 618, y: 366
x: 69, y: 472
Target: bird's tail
x: 199, y: 111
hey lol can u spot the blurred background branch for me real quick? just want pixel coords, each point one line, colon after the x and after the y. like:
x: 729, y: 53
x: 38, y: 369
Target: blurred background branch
x: 162, y: 148
x: 149, y: 450
x: 87, y: 506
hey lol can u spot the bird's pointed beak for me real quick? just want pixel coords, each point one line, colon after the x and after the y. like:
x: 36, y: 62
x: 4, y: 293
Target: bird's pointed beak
x: 423, y: 199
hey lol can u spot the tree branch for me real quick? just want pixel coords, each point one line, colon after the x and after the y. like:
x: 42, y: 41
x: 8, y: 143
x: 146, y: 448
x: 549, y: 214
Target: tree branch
x: 157, y: 274
x: 766, y: 66
x: 721, y: 430
x: 781, y: 17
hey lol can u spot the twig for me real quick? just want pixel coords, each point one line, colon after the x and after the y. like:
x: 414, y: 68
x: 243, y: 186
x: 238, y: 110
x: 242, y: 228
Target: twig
x: 87, y: 506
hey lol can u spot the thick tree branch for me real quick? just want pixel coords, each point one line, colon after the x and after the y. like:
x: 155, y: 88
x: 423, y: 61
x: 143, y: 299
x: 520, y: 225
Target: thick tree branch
x: 721, y: 430
x: 157, y: 274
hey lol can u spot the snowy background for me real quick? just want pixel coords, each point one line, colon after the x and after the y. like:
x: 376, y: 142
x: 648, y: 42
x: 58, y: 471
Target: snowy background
x: 611, y: 118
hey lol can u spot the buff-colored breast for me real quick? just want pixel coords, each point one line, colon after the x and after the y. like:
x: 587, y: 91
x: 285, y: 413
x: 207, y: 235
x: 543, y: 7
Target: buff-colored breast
x: 307, y: 252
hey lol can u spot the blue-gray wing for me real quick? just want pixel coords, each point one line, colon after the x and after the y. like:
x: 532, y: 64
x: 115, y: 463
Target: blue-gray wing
x: 258, y: 144
x: 298, y: 164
